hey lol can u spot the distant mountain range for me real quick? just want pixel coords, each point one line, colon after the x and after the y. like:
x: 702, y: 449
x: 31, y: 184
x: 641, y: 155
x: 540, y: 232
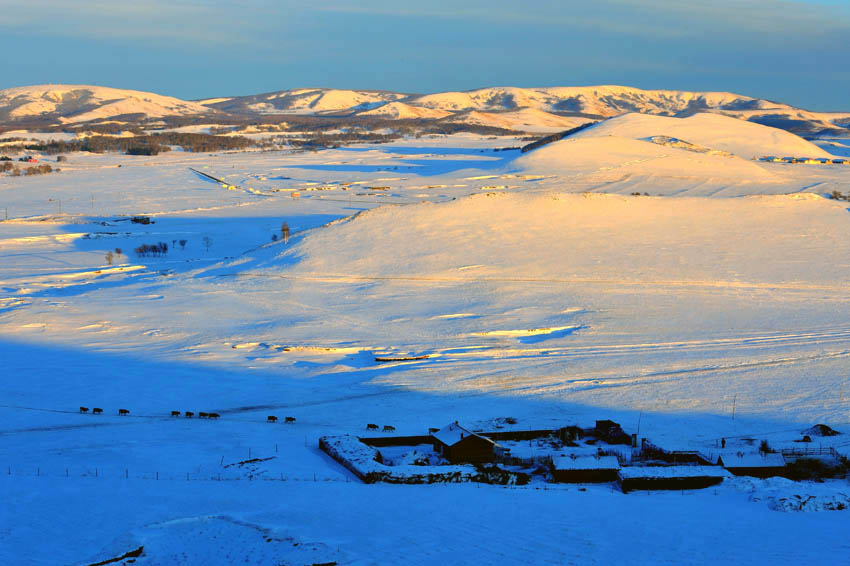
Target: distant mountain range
x: 519, y: 109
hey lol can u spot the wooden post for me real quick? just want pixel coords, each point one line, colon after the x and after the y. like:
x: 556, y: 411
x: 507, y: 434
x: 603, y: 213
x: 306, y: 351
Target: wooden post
x: 734, y: 402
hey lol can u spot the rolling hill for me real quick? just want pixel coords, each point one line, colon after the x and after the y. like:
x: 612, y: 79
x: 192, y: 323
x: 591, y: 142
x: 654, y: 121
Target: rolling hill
x: 744, y: 139
x: 521, y: 109
x: 82, y: 103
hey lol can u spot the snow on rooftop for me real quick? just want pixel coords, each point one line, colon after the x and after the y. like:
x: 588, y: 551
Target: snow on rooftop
x: 652, y: 472
x: 586, y: 463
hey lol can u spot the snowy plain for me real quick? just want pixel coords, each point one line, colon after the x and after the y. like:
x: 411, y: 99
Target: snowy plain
x: 538, y: 286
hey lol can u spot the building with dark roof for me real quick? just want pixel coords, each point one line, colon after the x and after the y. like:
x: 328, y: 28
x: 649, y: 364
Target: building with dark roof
x: 460, y: 445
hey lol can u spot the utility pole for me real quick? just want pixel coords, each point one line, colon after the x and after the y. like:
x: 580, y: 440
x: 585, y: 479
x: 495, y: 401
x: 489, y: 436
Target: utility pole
x: 734, y: 402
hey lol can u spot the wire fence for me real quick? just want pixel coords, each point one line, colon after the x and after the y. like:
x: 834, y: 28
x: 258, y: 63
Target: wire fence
x: 112, y: 473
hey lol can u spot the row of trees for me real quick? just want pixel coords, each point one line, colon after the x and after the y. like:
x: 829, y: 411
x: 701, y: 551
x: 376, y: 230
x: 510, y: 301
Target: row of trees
x: 15, y: 171
x: 149, y: 144
x: 155, y: 250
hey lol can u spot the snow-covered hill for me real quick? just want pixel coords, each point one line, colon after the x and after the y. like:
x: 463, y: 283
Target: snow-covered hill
x: 83, y: 103
x: 618, y: 155
x: 402, y: 111
x: 522, y: 109
x: 713, y: 131
x: 581, y: 102
x: 305, y: 101
x: 522, y: 120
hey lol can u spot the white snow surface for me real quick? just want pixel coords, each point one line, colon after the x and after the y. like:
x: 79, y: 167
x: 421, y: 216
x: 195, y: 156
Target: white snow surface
x: 539, y: 290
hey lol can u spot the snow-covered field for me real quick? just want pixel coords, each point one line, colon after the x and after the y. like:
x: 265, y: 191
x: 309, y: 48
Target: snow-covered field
x: 538, y: 286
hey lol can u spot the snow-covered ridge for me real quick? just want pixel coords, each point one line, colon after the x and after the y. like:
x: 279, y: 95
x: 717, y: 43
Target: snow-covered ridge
x: 546, y: 109
x: 83, y: 103
x: 530, y: 109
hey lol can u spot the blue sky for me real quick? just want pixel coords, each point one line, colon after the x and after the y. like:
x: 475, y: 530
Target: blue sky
x: 791, y: 51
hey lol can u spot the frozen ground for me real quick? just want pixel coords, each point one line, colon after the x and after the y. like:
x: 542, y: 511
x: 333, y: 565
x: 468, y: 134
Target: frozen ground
x: 532, y: 296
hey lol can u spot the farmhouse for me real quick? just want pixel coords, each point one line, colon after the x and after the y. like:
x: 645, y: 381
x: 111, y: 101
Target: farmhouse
x: 585, y: 469
x: 753, y: 464
x: 460, y: 445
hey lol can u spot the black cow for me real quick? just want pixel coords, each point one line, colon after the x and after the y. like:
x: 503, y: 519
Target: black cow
x: 271, y: 419
x: 371, y: 426
x: 290, y: 419
x: 96, y: 411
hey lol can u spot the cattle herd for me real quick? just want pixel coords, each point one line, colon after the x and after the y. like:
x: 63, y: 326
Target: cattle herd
x: 206, y: 415
x: 99, y: 411
x: 188, y: 414
x: 273, y: 419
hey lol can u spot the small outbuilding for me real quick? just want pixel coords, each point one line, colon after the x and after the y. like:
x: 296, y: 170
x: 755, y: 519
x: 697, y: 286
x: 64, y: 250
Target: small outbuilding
x: 611, y: 432
x: 753, y: 464
x: 460, y: 445
x: 585, y: 469
x: 669, y: 477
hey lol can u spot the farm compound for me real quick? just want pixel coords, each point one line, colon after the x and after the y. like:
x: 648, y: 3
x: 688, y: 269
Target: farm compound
x: 601, y: 454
